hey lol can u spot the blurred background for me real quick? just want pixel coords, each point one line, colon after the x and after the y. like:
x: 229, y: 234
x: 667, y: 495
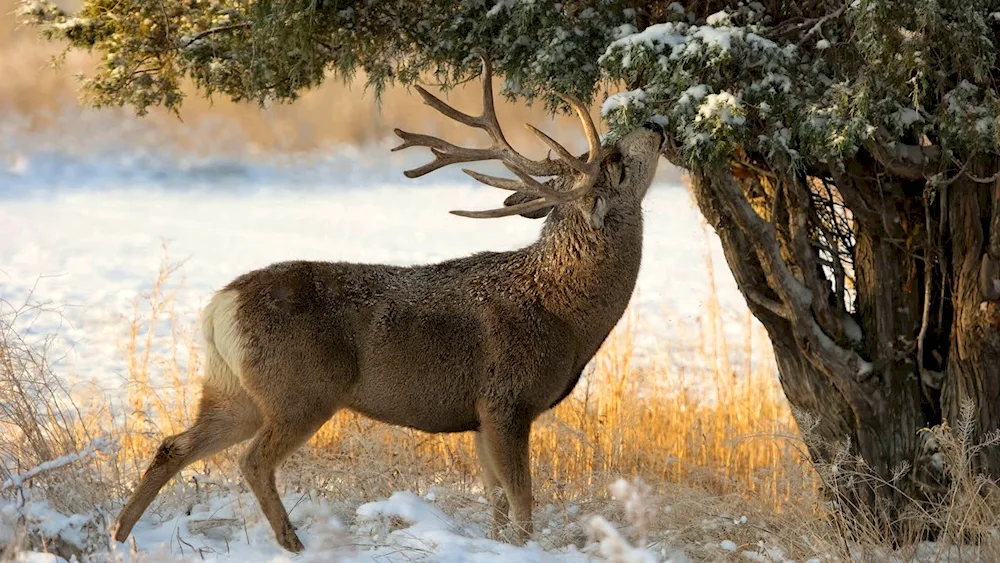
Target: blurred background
x: 40, y: 112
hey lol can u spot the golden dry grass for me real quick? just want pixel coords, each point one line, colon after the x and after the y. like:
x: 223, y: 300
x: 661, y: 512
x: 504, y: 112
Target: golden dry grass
x: 730, y: 469
x: 627, y: 419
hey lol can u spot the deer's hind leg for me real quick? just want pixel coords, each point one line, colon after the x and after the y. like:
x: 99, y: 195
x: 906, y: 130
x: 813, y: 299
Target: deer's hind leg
x: 225, y: 417
x: 294, y: 405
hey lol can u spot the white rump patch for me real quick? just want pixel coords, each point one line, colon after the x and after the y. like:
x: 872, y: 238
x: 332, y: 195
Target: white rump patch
x: 224, y: 348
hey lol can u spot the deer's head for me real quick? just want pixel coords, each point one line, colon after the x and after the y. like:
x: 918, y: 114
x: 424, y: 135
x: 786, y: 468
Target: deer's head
x: 592, y: 184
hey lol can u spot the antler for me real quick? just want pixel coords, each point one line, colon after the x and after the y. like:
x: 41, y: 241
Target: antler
x: 524, y: 168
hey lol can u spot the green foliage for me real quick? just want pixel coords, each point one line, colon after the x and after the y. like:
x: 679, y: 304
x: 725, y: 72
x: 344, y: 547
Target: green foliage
x: 266, y: 50
x: 812, y: 92
x: 786, y: 85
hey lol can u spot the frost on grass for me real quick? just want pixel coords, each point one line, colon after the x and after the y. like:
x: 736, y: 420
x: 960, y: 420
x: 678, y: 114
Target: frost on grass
x: 102, y: 445
x: 613, y: 546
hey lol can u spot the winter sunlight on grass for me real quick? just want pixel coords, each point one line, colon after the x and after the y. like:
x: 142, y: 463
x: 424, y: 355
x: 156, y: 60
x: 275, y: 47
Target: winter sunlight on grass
x: 738, y: 452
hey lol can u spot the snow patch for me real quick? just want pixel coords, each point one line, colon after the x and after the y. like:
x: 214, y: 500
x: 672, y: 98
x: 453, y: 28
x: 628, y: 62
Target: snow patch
x: 718, y: 18
x: 613, y: 546
x: 693, y: 94
x: 722, y: 106
x: 499, y: 6
x: 655, y: 37
x: 907, y: 117
x: 852, y: 330
x: 624, y: 100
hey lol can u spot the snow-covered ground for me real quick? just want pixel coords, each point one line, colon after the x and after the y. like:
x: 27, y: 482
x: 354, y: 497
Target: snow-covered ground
x: 85, y: 235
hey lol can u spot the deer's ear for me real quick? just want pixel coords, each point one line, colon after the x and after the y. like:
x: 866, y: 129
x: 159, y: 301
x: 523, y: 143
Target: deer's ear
x: 598, y: 212
x: 521, y: 197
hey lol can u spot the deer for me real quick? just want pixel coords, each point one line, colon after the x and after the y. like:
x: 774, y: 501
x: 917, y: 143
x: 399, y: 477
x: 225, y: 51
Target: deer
x: 484, y: 343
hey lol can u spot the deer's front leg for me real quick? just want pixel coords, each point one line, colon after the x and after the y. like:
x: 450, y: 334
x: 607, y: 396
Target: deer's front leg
x: 492, y: 488
x: 505, y: 437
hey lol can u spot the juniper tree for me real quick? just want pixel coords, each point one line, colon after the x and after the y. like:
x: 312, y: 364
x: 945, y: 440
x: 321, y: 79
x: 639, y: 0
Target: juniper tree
x: 844, y: 152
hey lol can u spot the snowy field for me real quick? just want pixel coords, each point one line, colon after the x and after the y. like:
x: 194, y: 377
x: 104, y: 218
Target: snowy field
x: 86, y: 236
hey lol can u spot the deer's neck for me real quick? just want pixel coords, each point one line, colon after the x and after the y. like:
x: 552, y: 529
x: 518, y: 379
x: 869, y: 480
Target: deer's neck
x: 587, y: 275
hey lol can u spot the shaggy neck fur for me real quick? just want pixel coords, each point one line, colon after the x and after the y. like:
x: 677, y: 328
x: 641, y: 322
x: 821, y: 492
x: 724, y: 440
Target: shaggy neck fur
x: 584, y: 273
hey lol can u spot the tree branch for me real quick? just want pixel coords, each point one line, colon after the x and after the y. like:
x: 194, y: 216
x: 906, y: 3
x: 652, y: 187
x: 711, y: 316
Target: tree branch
x: 912, y: 162
x: 845, y: 367
x: 184, y: 43
x: 769, y: 304
x: 818, y: 28
x: 799, y: 208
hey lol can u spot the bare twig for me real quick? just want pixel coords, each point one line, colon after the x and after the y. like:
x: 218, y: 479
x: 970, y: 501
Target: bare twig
x: 928, y: 277
x: 185, y: 43
x: 818, y: 27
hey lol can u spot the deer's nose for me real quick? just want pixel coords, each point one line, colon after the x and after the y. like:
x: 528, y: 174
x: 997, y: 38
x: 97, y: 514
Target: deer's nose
x: 653, y: 126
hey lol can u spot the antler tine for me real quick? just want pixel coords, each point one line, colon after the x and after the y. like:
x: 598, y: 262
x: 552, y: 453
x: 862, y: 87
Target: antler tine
x: 526, y: 207
x: 531, y: 185
x: 590, y: 169
x: 448, y: 111
x: 560, y: 150
x: 525, y: 184
x: 488, y: 122
x: 589, y: 129
x: 444, y: 152
x: 488, y: 106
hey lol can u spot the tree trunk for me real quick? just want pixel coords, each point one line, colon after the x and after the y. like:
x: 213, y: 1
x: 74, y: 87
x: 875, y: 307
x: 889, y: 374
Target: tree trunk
x: 973, y: 359
x: 925, y: 298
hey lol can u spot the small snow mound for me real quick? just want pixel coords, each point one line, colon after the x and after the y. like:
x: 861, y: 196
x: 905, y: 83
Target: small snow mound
x: 728, y: 545
x: 613, y: 546
x: 409, y: 507
x: 723, y: 105
x: 633, y: 98
x: 907, y: 117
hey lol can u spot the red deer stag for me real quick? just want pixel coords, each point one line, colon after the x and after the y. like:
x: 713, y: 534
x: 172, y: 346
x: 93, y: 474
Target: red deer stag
x: 484, y: 343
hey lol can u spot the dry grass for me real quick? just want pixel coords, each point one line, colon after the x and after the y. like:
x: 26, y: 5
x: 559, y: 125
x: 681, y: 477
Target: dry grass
x: 723, y: 478
x: 714, y: 472
x: 625, y: 419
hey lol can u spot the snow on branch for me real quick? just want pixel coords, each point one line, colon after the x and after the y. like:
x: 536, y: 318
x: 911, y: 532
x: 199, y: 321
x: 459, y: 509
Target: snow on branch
x: 818, y: 90
x: 685, y: 73
x: 102, y: 445
x: 906, y: 161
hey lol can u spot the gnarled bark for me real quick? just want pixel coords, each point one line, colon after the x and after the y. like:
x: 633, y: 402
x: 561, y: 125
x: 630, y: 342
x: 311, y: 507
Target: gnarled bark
x: 926, y: 263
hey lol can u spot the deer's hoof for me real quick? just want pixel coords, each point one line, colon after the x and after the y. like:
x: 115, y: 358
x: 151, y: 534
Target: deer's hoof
x: 291, y: 542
